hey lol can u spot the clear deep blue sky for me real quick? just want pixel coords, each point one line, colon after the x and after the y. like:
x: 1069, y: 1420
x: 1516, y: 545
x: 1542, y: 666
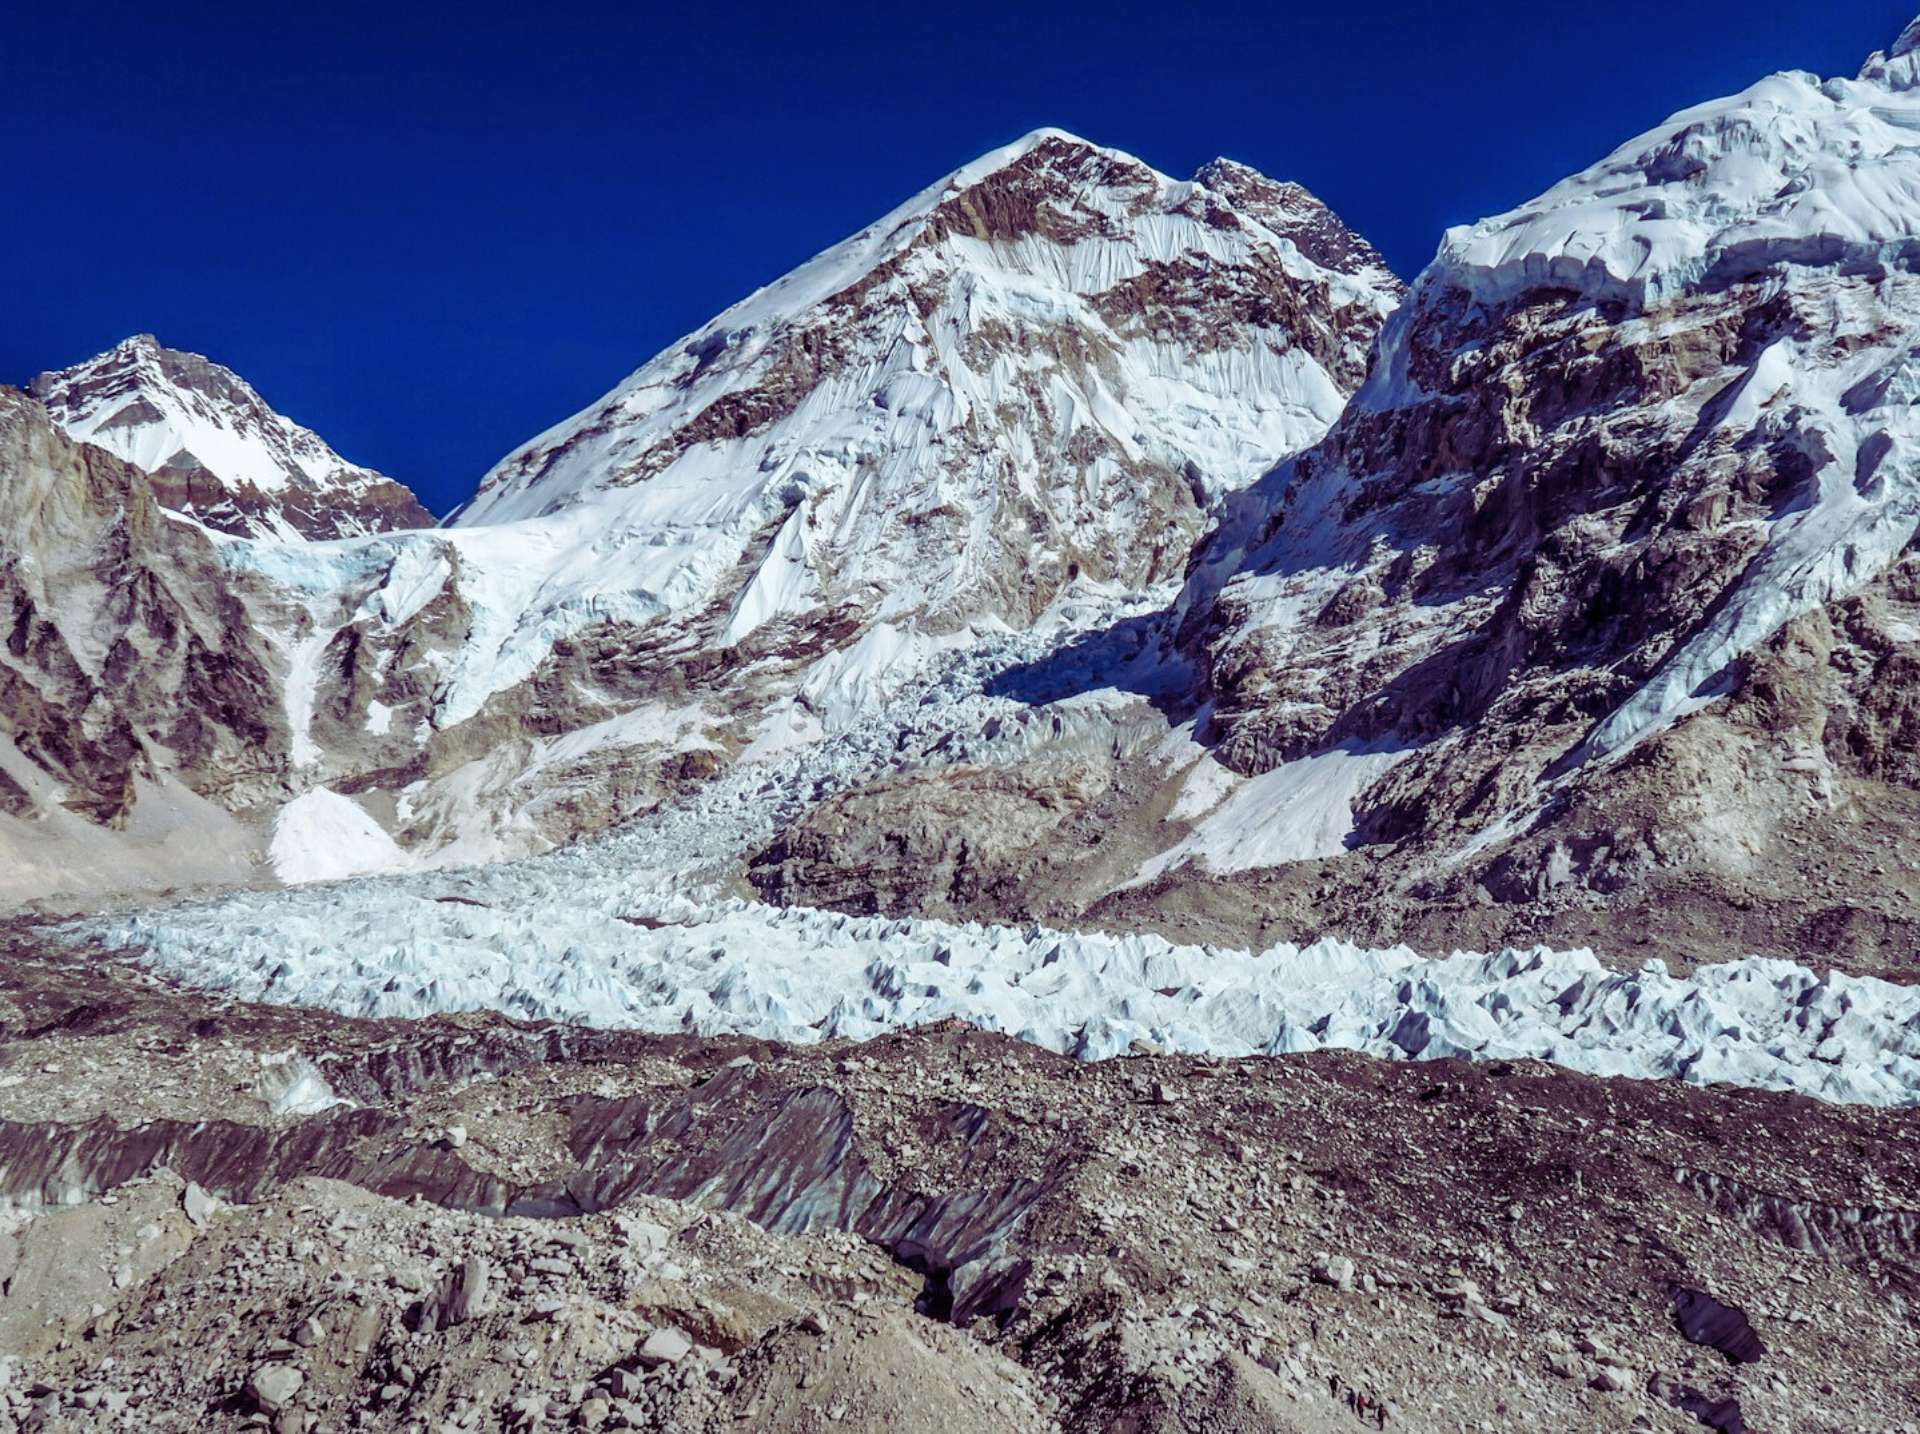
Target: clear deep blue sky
x: 431, y: 232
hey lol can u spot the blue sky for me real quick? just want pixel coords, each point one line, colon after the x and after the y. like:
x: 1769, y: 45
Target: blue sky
x: 430, y: 232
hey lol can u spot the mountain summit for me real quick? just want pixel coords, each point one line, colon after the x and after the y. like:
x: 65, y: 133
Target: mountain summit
x: 1045, y: 366
x: 214, y: 450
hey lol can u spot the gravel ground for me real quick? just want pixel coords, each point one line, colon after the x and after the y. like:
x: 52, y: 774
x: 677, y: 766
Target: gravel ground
x: 534, y: 1227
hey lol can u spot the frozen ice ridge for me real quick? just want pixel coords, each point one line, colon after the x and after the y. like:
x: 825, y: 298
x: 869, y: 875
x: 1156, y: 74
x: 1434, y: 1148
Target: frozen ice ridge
x: 566, y: 939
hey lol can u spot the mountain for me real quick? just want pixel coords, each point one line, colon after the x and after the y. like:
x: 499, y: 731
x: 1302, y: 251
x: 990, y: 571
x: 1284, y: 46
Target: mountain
x: 1007, y: 409
x: 1024, y: 556
x: 1045, y: 367
x: 1593, y: 615
x: 1030, y: 385
x: 1097, y: 714
x: 213, y: 449
x: 1601, y: 592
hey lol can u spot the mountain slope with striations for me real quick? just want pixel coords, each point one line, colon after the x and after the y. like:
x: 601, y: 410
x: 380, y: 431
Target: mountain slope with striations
x: 1044, y: 367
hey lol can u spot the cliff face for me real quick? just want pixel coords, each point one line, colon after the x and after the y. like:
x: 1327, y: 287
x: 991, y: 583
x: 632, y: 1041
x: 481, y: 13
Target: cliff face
x: 125, y: 650
x: 131, y: 673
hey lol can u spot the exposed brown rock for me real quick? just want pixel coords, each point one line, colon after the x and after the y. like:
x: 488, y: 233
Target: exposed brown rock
x: 127, y: 654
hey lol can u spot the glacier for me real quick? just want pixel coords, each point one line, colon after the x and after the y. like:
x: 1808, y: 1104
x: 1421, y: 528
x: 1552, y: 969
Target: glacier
x: 576, y: 938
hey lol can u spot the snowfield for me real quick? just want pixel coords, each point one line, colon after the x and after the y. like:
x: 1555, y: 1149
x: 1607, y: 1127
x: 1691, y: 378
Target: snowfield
x: 323, y: 836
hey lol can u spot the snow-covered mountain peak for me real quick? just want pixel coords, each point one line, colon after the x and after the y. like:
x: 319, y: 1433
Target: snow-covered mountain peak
x: 1293, y: 213
x: 1794, y: 167
x: 1024, y: 387
x: 1909, y: 40
x: 1614, y: 443
x: 214, y: 448
x: 1056, y: 142
x: 1032, y: 332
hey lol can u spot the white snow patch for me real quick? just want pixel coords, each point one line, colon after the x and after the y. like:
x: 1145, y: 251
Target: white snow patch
x: 1206, y: 785
x: 323, y: 836
x: 290, y: 1084
x: 1298, y: 811
x: 302, y: 688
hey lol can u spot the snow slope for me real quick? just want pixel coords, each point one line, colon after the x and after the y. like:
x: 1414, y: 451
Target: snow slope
x: 1042, y: 366
x: 1296, y: 812
x: 1104, y: 220
x: 1797, y: 168
x: 323, y: 836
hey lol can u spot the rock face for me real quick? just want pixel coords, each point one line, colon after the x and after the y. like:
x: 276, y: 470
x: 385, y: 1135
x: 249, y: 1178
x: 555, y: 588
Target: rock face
x: 212, y: 449
x: 1608, y: 563
x: 137, y: 697
x: 1623, y: 472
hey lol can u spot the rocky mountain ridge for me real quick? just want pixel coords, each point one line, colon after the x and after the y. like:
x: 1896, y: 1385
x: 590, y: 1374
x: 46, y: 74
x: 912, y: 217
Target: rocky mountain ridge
x: 1591, y: 615
x: 1619, y: 562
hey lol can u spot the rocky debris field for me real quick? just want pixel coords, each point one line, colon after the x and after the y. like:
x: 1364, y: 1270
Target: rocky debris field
x: 231, y: 1216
